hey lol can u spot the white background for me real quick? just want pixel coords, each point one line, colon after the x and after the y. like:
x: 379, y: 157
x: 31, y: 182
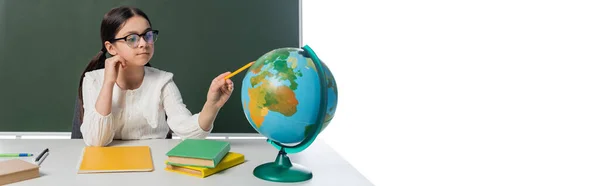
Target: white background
x: 463, y: 92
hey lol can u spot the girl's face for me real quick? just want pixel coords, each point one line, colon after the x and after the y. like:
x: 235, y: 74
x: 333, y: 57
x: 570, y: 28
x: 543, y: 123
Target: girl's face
x: 134, y: 42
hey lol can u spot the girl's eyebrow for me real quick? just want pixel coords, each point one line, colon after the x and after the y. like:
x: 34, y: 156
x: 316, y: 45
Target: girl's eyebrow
x: 134, y: 32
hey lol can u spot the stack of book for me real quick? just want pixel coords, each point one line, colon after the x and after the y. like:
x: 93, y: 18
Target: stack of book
x: 202, y: 157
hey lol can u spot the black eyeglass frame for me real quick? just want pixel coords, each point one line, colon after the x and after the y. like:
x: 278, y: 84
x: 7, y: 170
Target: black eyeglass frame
x: 154, y: 32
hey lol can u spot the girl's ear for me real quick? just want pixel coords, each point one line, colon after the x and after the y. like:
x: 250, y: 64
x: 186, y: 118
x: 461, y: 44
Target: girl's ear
x: 110, y: 48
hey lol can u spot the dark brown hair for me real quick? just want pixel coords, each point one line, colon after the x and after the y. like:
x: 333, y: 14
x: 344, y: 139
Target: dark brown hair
x: 111, y: 24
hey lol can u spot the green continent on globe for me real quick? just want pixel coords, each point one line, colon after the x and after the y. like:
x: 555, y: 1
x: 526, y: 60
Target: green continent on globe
x: 268, y: 96
x: 309, y: 129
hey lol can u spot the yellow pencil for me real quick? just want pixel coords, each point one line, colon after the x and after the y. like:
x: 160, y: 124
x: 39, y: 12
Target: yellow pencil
x: 239, y: 70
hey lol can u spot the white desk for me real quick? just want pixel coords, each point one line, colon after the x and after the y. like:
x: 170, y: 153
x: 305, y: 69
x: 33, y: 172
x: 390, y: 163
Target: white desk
x: 60, y: 167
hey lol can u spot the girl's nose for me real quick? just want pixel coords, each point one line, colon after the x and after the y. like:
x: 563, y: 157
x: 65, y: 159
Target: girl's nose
x: 142, y: 42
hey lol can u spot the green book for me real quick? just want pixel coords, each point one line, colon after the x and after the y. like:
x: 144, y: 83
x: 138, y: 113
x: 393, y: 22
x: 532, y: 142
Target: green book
x: 199, y: 152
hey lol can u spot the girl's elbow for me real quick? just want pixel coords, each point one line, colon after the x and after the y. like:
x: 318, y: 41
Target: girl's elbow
x: 96, y: 143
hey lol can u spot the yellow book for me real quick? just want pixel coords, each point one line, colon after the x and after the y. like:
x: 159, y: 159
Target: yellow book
x: 116, y: 159
x: 231, y: 159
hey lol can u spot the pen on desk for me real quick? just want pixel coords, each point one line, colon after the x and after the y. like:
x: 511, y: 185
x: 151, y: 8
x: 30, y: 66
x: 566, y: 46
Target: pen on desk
x: 41, y: 154
x: 16, y: 155
x: 42, y: 159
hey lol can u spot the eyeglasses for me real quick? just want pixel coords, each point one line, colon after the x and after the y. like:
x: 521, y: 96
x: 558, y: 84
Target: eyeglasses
x: 133, y: 40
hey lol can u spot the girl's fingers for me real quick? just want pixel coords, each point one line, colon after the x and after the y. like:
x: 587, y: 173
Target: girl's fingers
x: 229, y: 84
x: 226, y: 86
x: 122, y: 61
x: 116, y: 60
x: 221, y: 84
x: 222, y: 76
x: 219, y: 77
x: 224, y: 89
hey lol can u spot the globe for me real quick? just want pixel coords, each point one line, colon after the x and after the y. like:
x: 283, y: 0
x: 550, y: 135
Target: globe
x: 289, y: 96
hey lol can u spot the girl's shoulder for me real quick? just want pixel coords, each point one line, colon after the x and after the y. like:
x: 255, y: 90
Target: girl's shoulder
x: 94, y: 75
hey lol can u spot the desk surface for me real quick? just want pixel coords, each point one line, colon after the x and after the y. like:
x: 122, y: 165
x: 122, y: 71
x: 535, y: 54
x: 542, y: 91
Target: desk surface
x: 60, y: 167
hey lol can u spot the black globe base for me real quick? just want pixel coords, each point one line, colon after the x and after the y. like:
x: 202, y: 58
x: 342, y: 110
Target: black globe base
x: 282, y: 170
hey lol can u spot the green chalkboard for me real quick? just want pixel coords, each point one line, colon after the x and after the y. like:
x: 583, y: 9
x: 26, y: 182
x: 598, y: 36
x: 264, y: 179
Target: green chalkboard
x: 45, y: 45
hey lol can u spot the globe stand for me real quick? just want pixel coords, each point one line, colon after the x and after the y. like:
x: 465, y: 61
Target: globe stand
x: 282, y: 170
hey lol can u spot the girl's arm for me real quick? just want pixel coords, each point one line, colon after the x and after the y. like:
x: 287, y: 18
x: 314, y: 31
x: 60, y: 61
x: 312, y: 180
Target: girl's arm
x: 97, y: 127
x: 181, y: 120
x: 104, y: 102
x: 207, y: 116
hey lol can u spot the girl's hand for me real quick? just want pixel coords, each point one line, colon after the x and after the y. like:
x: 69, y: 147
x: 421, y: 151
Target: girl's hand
x: 220, y: 90
x: 111, y: 68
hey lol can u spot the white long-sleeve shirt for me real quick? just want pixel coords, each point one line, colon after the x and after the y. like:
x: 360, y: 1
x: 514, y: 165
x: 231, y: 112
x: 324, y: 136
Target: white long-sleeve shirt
x: 138, y: 113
